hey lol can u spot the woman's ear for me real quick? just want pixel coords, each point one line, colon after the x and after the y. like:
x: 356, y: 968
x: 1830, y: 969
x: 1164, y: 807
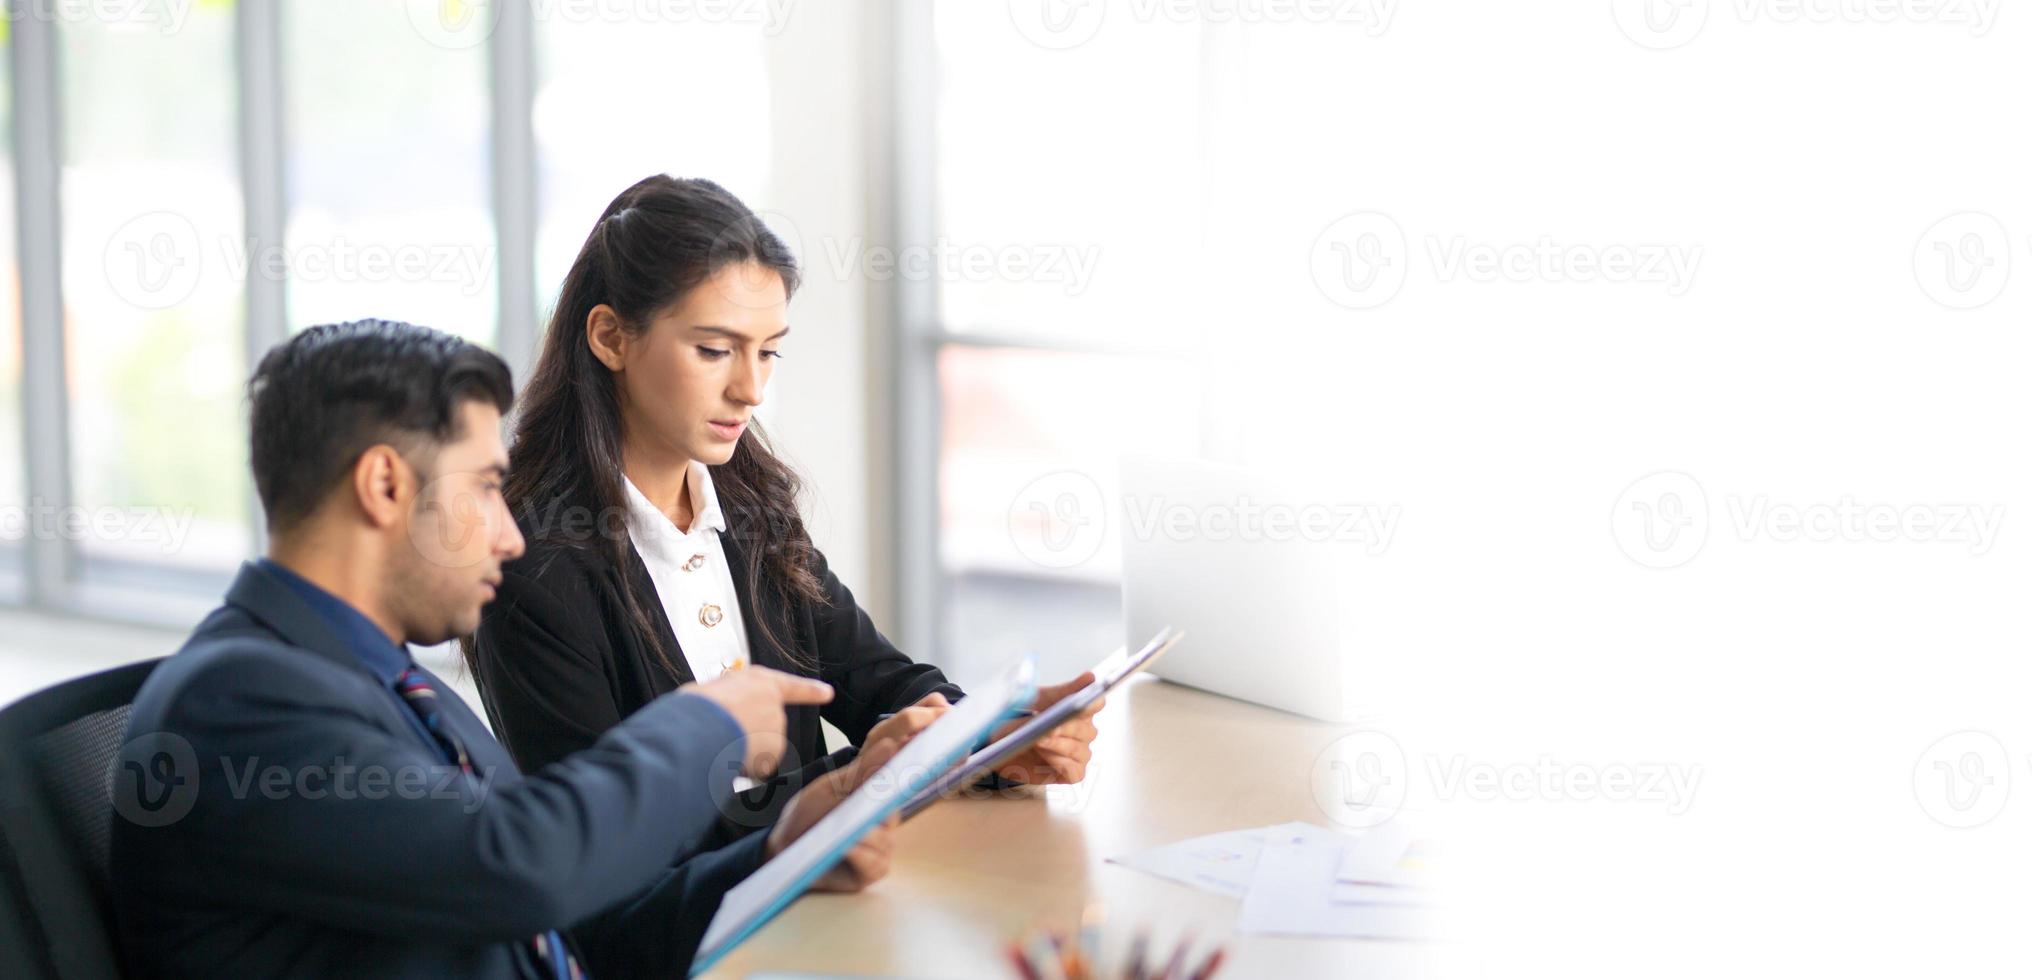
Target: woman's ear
x: 606, y: 336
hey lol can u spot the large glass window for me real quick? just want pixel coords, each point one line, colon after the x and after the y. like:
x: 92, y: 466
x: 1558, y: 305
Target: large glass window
x: 13, y: 481
x: 153, y: 265
x: 618, y: 99
x: 1067, y: 313
x: 385, y: 156
x: 390, y: 206
x: 1068, y: 190
x: 1029, y: 511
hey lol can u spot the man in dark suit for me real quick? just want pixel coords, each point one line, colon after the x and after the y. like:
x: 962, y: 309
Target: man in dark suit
x: 329, y: 808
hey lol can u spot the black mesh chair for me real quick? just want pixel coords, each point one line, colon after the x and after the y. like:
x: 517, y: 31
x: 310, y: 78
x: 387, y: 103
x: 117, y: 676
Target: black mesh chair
x: 56, y: 819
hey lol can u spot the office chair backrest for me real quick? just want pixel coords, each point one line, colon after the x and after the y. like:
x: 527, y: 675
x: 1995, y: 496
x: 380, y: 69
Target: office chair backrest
x: 56, y: 819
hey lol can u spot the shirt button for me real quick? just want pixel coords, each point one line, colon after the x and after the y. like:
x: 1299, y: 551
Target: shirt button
x: 709, y: 615
x: 694, y: 563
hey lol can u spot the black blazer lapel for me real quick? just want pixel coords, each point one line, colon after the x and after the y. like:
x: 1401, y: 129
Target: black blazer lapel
x: 637, y: 574
x: 759, y: 649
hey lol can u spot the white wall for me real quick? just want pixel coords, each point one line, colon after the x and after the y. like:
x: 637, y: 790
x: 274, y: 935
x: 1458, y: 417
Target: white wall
x: 819, y: 400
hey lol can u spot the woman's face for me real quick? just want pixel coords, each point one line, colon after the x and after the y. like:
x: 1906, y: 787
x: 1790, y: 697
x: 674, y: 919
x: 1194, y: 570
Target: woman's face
x: 692, y: 378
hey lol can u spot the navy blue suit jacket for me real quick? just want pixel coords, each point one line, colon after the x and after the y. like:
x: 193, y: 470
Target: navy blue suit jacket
x: 293, y: 859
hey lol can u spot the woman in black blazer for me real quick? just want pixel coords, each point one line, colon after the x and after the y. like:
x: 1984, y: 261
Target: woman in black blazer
x: 648, y: 494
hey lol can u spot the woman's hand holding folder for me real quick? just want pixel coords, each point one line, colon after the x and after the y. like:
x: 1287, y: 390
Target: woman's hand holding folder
x: 1062, y: 755
x: 868, y: 860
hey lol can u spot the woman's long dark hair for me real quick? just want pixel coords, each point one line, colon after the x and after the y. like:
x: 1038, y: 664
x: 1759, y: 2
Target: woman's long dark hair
x: 655, y: 242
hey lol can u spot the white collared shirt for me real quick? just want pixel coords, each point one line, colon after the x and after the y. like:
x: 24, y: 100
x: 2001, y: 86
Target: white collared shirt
x: 689, y: 570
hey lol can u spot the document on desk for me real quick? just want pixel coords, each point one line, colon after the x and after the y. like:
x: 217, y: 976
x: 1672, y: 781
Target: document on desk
x: 1394, y: 854
x: 934, y: 750
x: 1220, y: 863
x: 1292, y: 893
x: 1225, y: 863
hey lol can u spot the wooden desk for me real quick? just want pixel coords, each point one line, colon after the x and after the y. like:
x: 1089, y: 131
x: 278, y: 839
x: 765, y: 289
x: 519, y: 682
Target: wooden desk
x: 971, y: 874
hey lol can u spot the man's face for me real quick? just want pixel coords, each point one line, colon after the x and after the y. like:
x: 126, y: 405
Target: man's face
x: 460, y: 530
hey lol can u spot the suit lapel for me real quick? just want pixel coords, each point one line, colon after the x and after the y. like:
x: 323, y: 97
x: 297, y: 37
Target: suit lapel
x: 759, y: 650
x: 275, y: 605
x: 270, y: 600
x: 637, y: 573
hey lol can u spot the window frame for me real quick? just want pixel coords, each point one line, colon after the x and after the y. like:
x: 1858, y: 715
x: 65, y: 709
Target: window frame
x: 917, y: 575
x: 54, y: 573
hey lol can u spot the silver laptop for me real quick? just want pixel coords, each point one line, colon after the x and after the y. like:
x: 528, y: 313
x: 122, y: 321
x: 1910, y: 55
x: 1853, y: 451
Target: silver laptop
x: 1260, y: 603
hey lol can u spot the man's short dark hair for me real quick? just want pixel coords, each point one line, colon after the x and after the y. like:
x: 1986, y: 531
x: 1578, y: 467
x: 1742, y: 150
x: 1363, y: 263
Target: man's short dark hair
x: 324, y: 396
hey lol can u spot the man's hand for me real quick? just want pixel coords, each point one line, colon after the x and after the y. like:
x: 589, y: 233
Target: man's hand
x: 868, y: 860
x: 755, y: 696
x: 1061, y: 756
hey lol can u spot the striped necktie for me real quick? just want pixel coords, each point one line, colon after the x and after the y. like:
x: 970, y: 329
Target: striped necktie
x: 417, y: 693
x: 553, y: 957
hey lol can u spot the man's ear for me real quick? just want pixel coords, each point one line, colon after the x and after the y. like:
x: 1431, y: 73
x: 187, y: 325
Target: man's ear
x: 607, y: 337
x: 383, y: 484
